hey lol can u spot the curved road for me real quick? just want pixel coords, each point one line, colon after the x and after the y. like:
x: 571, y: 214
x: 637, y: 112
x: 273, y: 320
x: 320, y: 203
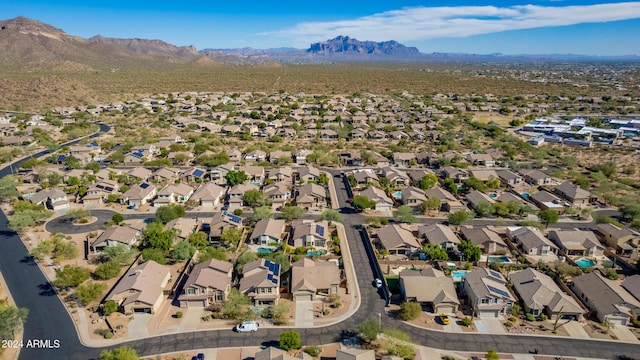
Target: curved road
x: 48, y: 319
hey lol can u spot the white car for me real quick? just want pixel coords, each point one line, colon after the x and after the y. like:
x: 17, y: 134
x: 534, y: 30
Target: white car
x: 247, y: 326
x: 378, y: 283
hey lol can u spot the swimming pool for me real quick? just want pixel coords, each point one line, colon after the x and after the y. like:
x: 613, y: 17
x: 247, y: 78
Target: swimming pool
x: 501, y: 259
x: 397, y: 194
x: 458, y: 275
x: 525, y: 195
x: 262, y: 250
x: 316, y: 252
x: 585, y: 263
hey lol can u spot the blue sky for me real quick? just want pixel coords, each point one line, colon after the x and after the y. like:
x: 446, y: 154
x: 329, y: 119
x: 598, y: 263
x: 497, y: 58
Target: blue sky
x: 509, y: 27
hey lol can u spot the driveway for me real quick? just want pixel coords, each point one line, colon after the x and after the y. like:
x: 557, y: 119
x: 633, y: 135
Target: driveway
x: 191, y: 319
x: 576, y: 330
x: 490, y: 325
x: 624, y: 334
x: 304, y: 314
x: 138, y: 326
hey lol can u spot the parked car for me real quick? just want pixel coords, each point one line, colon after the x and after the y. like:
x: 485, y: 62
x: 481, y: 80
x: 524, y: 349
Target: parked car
x: 247, y: 326
x: 200, y: 356
x: 445, y: 319
x: 378, y: 283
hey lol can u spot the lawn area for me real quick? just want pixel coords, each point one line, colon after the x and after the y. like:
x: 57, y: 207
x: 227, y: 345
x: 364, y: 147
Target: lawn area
x: 498, y: 119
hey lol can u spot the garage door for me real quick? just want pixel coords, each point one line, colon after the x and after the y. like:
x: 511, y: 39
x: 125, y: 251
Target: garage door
x: 447, y: 309
x: 488, y: 313
x: 615, y: 321
x: 142, y: 310
x: 302, y: 297
x: 195, y: 303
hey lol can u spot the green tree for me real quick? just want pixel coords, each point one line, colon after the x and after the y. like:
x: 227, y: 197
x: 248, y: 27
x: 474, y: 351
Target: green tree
x: 164, y: 214
x: 435, y: 252
x: 369, y: 330
x: 484, y: 208
x: 430, y: 204
x: 361, y: 202
x: 212, y: 253
x: 474, y: 183
x: 198, y: 239
x: 323, y: 179
x: 255, y: 198
x: 292, y: 212
x: 109, y: 307
x: 469, y: 251
x: 121, y: 353
x: 244, y: 258
x: 238, y: 306
x: 630, y: 211
x: 11, y: 319
x: 492, y: 355
x: 155, y: 236
x: 107, y: 270
x: 119, y: 254
x: 404, y: 214
x: 290, y: 340
x: 231, y: 236
x: 331, y: 215
x: 183, y: 251
x: 428, y: 181
x: 77, y: 214
x: 409, y: 310
x: 458, y: 217
x: 262, y: 213
x: 71, y: 276
x: 236, y: 177
x: 548, y: 217
x: 89, y: 291
x: 157, y: 255
x: 117, y: 218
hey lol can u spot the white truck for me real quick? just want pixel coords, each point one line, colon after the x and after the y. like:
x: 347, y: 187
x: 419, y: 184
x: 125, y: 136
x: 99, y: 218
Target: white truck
x: 247, y: 326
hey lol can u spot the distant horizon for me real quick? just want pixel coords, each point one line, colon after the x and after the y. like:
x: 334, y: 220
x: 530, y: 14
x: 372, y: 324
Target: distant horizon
x: 534, y: 27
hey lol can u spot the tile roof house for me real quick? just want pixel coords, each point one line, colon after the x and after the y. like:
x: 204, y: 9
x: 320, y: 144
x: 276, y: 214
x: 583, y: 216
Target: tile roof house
x: 53, y: 199
x: 548, y: 201
x: 458, y: 175
x: 366, y: 176
x: 220, y: 221
x: 574, y: 194
x: 268, y: 231
x: 431, y: 288
x: 208, y: 195
x: 277, y: 155
x: 139, y: 194
x: 413, y: 196
x: 272, y: 353
x: 183, y: 227
x: 440, y: 235
x: 535, y: 177
x: 396, y: 177
x: 311, y: 196
x: 261, y: 282
x: 397, y: 239
x: 141, y: 288
x: 577, y: 242
x: 116, y: 235
x: 308, y: 173
x: 281, y: 174
x: 531, y: 241
x: 208, y: 283
x: 354, y: 354
x: 486, y: 238
x: 403, y: 159
x: 488, y: 293
x: 173, y: 193
x: 310, y: 279
x: 384, y: 204
x: 234, y: 195
x: 310, y: 234
x: 481, y: 160
x: 448, y: 202
x: 509, y: 178
x: 606, y: 298
x: 625, y: 241
x: 278, y: 193
x: 632, y: 285
x: 475, y: 198
x: 540, y: 295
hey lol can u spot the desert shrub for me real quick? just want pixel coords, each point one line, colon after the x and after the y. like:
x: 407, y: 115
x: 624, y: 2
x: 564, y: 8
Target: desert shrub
x: 530, y: 317
x: 313, y: 350
x: 467, y: 321
x: 409, y: 310
x: 179, y: 314
x: 108, y: 335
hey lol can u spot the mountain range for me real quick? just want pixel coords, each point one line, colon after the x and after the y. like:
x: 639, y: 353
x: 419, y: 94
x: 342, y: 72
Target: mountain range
x: 31, y: 44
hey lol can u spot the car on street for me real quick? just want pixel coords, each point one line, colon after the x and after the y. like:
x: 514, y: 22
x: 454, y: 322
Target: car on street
x: 445, y: 319
x: 378, y: 283
x: 247, y: 326
x: 200, y: 356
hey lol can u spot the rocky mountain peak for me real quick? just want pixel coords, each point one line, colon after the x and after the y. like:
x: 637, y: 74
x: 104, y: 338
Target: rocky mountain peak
x: 350, y: 46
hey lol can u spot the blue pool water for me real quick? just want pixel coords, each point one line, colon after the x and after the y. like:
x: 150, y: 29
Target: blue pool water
x: 493, y: 196
x: 397, y: 194
x: 501, y: 259
x: 262, y: 250
x: 585, y: 263
x: 458, y: 275
x: 316, y: 253
x: 525, y: 195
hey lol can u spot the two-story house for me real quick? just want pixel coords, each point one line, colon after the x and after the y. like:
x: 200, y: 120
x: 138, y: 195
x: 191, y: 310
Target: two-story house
x: 208, y: 283
x: 488, y: 293
x: 261, y: 282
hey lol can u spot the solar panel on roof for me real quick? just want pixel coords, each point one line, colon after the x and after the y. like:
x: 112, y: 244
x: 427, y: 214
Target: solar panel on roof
x: 267, y: 263
x: 320, y: 230
x: 234, y: 218
x: 137, y: 154
x: 495, y: 274
x: 198, y: 173
x: 498, y: 291
x: 276, y: 269
x: 144, y: 185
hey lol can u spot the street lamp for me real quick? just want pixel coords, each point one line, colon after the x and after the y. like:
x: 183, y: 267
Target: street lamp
x: 379, y: 321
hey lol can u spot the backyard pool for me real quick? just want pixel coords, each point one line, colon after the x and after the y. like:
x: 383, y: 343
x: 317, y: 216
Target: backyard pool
x: 585, y: 263
x: 262, y: 250
x: 499, y: 259
x: 316, y: 252
x: 397, y: 194
x: 525, y: 195
x: 458, y: 275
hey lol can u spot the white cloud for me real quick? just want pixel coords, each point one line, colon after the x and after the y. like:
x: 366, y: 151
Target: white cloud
x: 424, y: 23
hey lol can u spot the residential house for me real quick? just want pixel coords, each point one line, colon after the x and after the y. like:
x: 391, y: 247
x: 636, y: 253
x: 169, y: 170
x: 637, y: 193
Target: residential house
x: 276, y: 156
x: 509, y: 178
x: 261, y: 282
x: 311, y: 196
x: 488, y: 293
x: 396, y: 177
x: 307, y: 233
x: 384, y: 204
x: 475, y: 198
x: 486, y: 238
x: 548, y: 201
x: 141, y: 288
x: 139, y: 173
x: 208, y: 195
x: 208, y: 283
x: 165, y: 175
x: 221, y: 221
x: 632, y: 285
x: 624, y: 240
x: 430, y: 288
x: 278, y: 193
x: 282, y: 174
x: 173, y: 193
x: 234, y: 155
x: 234, y: 195
x: 440, y: 235
x: 328, y: 135
x: 397, y: 239
x: 308, y: 174
x: 183, y: 227
x: 577, y: 242
x: 607, y: 300
x: 458, y: 175
x: 139, y: 195
x: 268, y: 232
x: 481, y: 160
x: 403, y: 159
x: 413, y: 196
x: 531, y: 241
x: 540, y: 295
x: 255, y: 173
x: 194, y: 174
x: 52, y: 199
x: 483, y: 174
x: 365, y: 177
x: 354, y: 354
x: 312, y: 279
x: 448, y: 202
x: 272, y: 353
x: 116, y: 235
x: 300, y: 156
x: 255, y: 156
x: 574, y: 194
x: 535, y: 177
